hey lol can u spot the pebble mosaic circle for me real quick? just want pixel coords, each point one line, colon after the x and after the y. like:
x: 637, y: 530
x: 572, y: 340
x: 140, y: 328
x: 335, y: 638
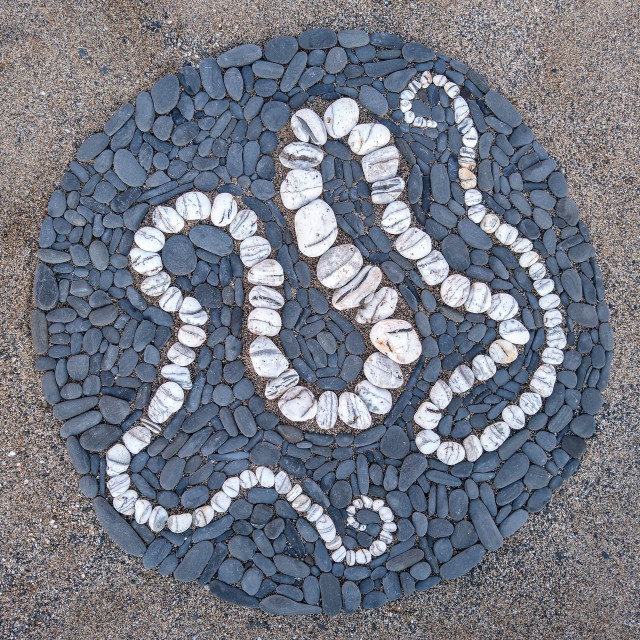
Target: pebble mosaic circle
x: 320, y: 321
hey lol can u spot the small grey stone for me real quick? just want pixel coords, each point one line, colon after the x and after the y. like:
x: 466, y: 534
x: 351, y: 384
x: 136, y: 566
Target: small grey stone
x: 503, y: 109
x: 239, y: 56
x: 45, y: 288
x: 275, y: 115
x: 165, y: 93
x: 128, y: 169
x: 178, y: 254
x: 118, y: 529
x: 462, y: 562
x: 373, y: 100
x: 281, y: 50
x: 318, y: 39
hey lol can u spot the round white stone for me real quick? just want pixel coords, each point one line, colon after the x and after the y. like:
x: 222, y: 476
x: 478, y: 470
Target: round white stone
x: 118, y: 459
x: 191, y: 312
x: 379, y: 306
x: 180, y: 522
x: 301, y: 155
x: 427, y: 416
x: 263, y: 297
x: 543, y: 380
x: 253, y: 250
x: 358, y: 289
x: 353, y: 411
x: 149, y: 239
x: 277, y: 386
x: 171, y: 300
x: 155, y: 286
x: 386, y: 191
x: 450, y: 453
x: 158, y: 519
x: 494, y: 435
x: 365, y: 138
x: 339, y: 265
x: 316, y: 228
x: 382, y: 371
x: 126, y: 503
x: 381, y: 164
x: 514, y: 331
x: 479, y: 298
x: 514, y: 416
x: 193, y: 205
x: 145, y: 263
x: 264, y: 322
x: 530, y: 403
x: 137, y: 439
x: 427, y: 441
x: 433, y: 268
x: 268, y: 272
x: 191, y: 336
x: 413, y: 244
x: 483, y: 367
x: 341, y: 117
x: 396, y: 217
x: 455, y: 290
x: 376, y: 399
x: 472, y: 447
x: 223, y: 209
x: 461, y: 379
x: 244, y: 224
x: 441, y: 394
x: 502, y: 351
x: 167, y: 219
x: 327, y: 410
x: 166, y: 401
x: 142, y: 511
x: 397, y: 339
x: 177, y: 374
x: 266, y: 477
x: 503, y: 307
x: 300, y: 187
x: 267, y: 360
x: 181, y: 355
x: 308, y: 127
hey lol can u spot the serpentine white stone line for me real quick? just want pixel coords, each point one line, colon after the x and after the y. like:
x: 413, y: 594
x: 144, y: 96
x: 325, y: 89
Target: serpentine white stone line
x: 455, y: 290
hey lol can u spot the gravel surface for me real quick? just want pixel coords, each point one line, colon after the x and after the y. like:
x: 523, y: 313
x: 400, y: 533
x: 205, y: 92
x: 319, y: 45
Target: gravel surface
x: 568, y: 68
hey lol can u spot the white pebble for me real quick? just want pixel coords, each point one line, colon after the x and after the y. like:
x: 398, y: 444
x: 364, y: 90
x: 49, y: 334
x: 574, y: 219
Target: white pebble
x: 268, y: 272
x: 220, y: 502
x: 494, y: 435
x: 264, y: 322
x: 461, y: 379
x: 382, y: 371
x: 158, y: 519
x: 167, y: 219
x: 142, y: 511
x: 145, y: 263
x: 413, y: 244
x: 502, y: 351
x: 339, y: 265
x: 253, y: 250
x: 472, y: 447
x: 266, y: 477
x: 137, y: 439
x: 267, y: 360
x: 376, y: 399
x: 191, y: 312
x: 353, y: 411
x: 181, y: 355
x: 308, y: 127
x: 360, y: 287
x: 301, y: 155
x: 397, y: 339
x: 543, y: 380
x: 166, y: 401
x: 300, y: 187
x: 552, y: 318
x: 118, y: 459
x: 427, y: 416
x: 503, y: 306
x: 386, y: 191
x: 298, y: 404
x: 365, y: 138
x: 479, y: 298
x: 180, y: 522
x: 171, y: 300
x: 433, y: 268
x: 191, y: 336
x: 514, y: 416
x: 177, y: 374
x: 193, y: 205
x: 126, y: 503
x: 341, y: 117
x: 202, y: 516
x: 379, y: 306
x: 149, y: 239
x: 514, y: 331
x: 483, y: 367
x: 263, y: 297
x: 381, y: 164
x: 316, y: 228
x: 275, y: 387
x: 244, y: 224
x: 427, y: 442
x: 441, y: 394
x: 248, y: 479
x: 117, y: 485
x: 455, y: 290
x: 530, y: 403
x: 450, y: 453
x: 327, y: 410
x: 155, y: 286
x: 396, y: 217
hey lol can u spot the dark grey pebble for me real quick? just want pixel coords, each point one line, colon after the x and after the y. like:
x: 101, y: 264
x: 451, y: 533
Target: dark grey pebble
x: 239, y: 56
x: 45, y: 288
x: 118, y: 529
x: 281, y: 605
x: 194, y: 562
x: 462, y: 562
x: 165, y: 93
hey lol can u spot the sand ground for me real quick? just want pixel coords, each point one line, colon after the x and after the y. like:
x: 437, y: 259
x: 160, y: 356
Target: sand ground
x: 571, y: 67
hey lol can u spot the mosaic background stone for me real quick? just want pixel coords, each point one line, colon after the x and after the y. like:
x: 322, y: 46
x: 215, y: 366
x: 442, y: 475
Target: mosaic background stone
x: 105, y: 340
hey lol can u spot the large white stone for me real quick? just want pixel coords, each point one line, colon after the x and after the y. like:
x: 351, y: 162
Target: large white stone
x: 191, y: 336
x: 441, y: 394
x: 503, y: 306
x: 427, y: 441
x: 316, y: 228
x: 327, y: 410
x: 433, y: 268
x: 181, y: 355
x: 354, y: 292
x: 353, y: 411
x: 300, y: 187
x: 503, y: 351
x: 381, y: 164
x: 275, y: 387
x: 365, y: 138
x: 267, y: 360
x: 396, y: 217
x: 378, y: 307
x: 193, y: 205
x: 483, y: 367
x: 543, y: 380
x: 307, y: 126
x: 191, y: 312
x: 167, y: 219
x: 223, y: 209
x: 263, y: 297
x: 146, y: 263
x: 461, y: 379
x: 494, y: 435
x: 264, y: 322
x: 450, y: 453
x: 179, y: 375
x: 413, y: 244
x: 382, y: 371
x: 168, y: 398
x: 253, y: 250
x: 397, y: 339
x: 149, y: 239
x: 386, y: 191
x: 341, y: 117
x: 514, y: 331
x: 514, y: 416
x: 376, y: 399
x: 171, y: 300
x: 427, y: 416
x: 479, y: 298
x: 472, y: 447
x: 268, y: 272
x: 244, y: 224
x: 155, y: 286
x: 455, y: 290
x: 339, y: 265
x: 301, y: 155
x: 298, y: 404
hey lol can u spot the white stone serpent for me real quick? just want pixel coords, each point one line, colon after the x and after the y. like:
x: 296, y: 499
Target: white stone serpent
x: 356, y: 287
